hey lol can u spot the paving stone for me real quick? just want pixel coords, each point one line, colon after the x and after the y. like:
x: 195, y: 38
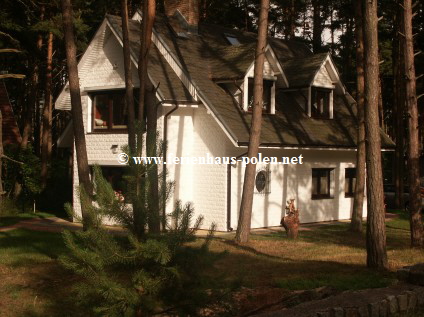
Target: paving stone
x: 351, y: 312
x: 363, y: 311
x: 392, y: 305
x: 384, y: 308
x: 337, y: 312
x: 373, y: 309
x: 412, y: 300
x: 402, y: 301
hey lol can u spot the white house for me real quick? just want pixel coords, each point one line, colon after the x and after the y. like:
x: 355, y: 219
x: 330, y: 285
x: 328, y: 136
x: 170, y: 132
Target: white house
x: 204, y: 78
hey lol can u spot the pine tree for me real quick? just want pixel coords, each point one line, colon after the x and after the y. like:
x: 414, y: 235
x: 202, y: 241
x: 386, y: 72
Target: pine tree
x: 123, y: 275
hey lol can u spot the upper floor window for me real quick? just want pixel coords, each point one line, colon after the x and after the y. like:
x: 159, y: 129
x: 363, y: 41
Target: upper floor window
x: 109, y: 111
x: 268, y: 86
x: 321, y: 103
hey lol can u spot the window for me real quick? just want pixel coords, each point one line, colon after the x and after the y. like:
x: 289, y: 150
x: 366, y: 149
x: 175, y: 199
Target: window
x: 109, y: 111
x: 267, y: 95
x: 321, y: 180
x: 232, y: 39
x: 320, y: 103
x: 262, y: 182
x: 350, y: 182
x: 114, y: 176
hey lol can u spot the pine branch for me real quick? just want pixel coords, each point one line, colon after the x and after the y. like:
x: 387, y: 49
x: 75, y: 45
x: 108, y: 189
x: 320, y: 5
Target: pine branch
x: 18, y: 76
x: 10, y: 50
x: 418, y: 77
x: 417, y: 53
x: 10, y: 159
x: 400, y: 33
x: 419, y: 96
x: 380, y: 18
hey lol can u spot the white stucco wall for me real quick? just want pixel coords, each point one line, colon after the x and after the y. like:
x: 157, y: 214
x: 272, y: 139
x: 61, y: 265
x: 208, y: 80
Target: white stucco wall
x: 295, y: 181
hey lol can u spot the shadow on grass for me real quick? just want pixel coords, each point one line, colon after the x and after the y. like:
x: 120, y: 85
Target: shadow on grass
x: 31, y: 257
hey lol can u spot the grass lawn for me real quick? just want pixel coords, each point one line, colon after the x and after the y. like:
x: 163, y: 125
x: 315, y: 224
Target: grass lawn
x: 32, y: 282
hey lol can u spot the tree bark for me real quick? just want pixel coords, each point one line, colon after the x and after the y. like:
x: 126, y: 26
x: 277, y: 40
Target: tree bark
x: 129, y: 90
x: 317, y: 27
x: 399, y: 108
x: 243, y: 228
x: 1, y: 159
x: 149, y: 9
x: 46, y: 146
x: 358, y: 200
x: 413, y: 144
x: 76, y: 110
x: 376, y: 227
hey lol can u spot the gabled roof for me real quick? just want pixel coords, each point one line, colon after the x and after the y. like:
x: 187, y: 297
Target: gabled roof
x: 170, y: 87
x: 204, y: 57
x: 301, y: 71
x: 11, y: 133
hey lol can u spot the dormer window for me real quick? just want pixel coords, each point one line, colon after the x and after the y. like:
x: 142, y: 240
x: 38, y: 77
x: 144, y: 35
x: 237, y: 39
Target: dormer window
x: 232, y: 39
x: 267, y: 95
x: 321, y: 103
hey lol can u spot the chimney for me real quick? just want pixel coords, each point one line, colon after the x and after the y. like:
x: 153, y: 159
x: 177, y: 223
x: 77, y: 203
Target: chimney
x: 187, y: 12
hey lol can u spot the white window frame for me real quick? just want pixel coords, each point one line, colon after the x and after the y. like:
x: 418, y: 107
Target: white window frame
x: 246, y: 93
x: 331, y: 105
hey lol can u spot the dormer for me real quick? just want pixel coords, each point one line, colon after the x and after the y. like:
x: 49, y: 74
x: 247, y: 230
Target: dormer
x: 314, y: 81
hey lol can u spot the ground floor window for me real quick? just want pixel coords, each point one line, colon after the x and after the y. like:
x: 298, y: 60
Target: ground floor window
x: 321, y: 182
x: 114, y: 175
x: 263, y: 181
x: 350, y: 182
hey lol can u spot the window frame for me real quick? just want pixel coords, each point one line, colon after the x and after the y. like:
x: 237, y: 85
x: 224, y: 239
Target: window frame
x: 267, y: 186
x: 248, y: 86
x: 328, y: 175
x: 328, y: 103
x: 110, y: 128
x: 349, y: 179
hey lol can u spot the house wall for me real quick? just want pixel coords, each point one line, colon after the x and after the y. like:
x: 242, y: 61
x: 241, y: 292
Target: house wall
x: 323, y: 78
x: 295, y: 181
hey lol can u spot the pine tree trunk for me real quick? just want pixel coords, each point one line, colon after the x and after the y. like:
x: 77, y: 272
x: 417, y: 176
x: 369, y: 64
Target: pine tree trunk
x: 317, y: 27
x: 76, y: 110
x: 149, y: 9
x: 376, y: 226
x: 245, y: 217
x: 398, y: 109
x: 1, y: 159
x: 129, y: 91
x: 413, y: 144
x: 358, y: 200
x: 46, y: 146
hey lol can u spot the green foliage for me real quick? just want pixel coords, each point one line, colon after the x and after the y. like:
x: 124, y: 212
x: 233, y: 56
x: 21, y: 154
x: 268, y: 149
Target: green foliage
x: 28, y: 173
x: 124, y: 275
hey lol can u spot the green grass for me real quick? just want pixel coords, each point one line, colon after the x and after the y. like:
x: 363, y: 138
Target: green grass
x: 15, y: 218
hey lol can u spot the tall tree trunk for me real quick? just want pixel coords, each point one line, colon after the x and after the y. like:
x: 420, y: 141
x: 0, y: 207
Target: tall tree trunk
x: 317, y: 27
x: 129, y: 91
x: 1, y: 159
x: 46, y: 146
x: 149, y: 9
x: 358, y: 200
x: 245, y: 217
x: 399, y: 108
x: 31, y: 106
x: 376, y: 226
x: 76, y: 111
x: 413, y: 144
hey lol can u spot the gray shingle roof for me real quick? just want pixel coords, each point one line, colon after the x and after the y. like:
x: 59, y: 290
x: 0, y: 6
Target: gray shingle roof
x: 208, y: 56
